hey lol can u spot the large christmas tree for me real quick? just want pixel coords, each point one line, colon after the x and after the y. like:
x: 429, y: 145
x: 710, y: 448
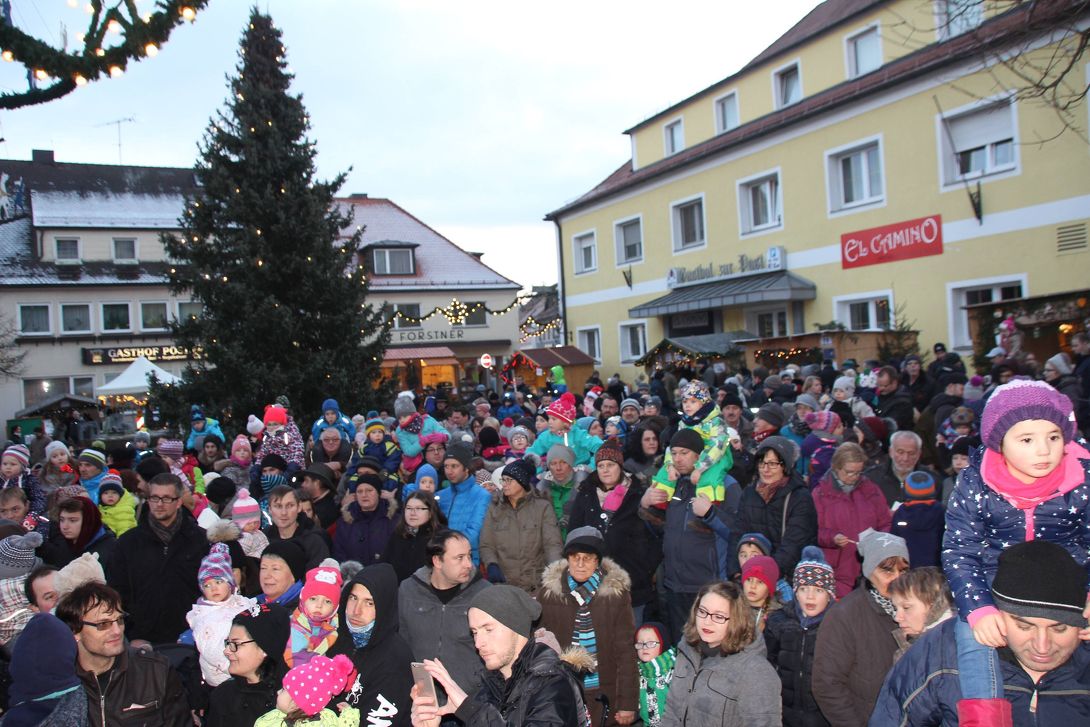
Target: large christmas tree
x: 266, y: 253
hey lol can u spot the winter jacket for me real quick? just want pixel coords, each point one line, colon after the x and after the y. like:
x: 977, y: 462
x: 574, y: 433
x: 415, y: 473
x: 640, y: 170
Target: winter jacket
x: 737, y: 690
x: 464, y: 506
x: 157, y: 582
x: 860, y: 409
x: 855, y: 649
x: 288, y: 443
x: 521, y: 540
x: 889, y: 483
x: 921, y: 390
x: 386, y: 452
x: 543, y: 691
x: 791, y: 650
x: 343, y: 454
x: 980, y: 523
x: 788, y: 520
x: 696, y: 550
x: 816, y: 455
x: 611, y: 616
x: 927, y: 426
x: 381, y: 689
x: 578, y: 439
x: 314, y: 542
x: 897, y: 406
x: 237, y: 702
x: 921, y: 523
x: 407, y: 553
x: 141, y: 688
x: 561, y: 496
x: 630, y: 541
x: 342, y: 423
x: 362, y: 536
x: 70, y: 710
x: 211, y: 623
x: 120, y: 518
x: 15, y: 610
x: 53, y: 479
x: 436, y: 630
x: 195, y: 440
x: 410, y: 443
x: 1070, y: 386
x: 58, y: 552
x: 923, y: 688
x: 847, y: 514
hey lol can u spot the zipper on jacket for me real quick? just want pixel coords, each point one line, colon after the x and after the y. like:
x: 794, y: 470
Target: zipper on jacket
x: 102, y: 697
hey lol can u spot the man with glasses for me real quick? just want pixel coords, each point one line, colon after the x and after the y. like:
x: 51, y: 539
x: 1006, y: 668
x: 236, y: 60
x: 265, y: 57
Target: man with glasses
x: 154, y: 566
x: 124, y: 685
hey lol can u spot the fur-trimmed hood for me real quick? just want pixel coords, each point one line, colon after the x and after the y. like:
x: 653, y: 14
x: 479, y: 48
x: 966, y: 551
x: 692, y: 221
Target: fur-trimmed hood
x: 351, y: 510
x: 615, y: 581
x: 579, y: 659
x: 223, y: 531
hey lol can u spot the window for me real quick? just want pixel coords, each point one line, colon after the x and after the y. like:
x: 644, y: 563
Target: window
x: 688, y: 224
x: 408, y: 309
x: 726, y: 112
x: 633, y: 341
x: 590, y: 343
x: 190, y: 311
x: 865, y: 311
x: 759, y: 203
x: 75, y: 318
x: 864, y: 52
x: 979, y: 142
x: 67, y: 249
x: 976, y: 292
x: 35, y: 390
x: 115, y: 317
x: 770, y: 323
x: 477, y: 315
x: 629, y: 238
x: 958, y: 16
x: 34, y: 320
x: 392, y: 261
x: 855, y: 176
x: 124, y: 249
x: 83, y: 386
x: 153, y: 316
x: 674, y: 137
x: 787, y: 83
x: 586, y: 252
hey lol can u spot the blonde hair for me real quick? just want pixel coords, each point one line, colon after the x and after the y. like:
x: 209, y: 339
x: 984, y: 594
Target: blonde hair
x: 847, y: 453
x: 741, y: 628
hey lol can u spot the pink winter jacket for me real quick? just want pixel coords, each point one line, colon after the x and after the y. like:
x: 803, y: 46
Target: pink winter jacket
x: 848, y: 514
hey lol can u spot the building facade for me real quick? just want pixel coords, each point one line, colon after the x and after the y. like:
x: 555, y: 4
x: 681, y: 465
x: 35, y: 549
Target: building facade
x: 876, y: 163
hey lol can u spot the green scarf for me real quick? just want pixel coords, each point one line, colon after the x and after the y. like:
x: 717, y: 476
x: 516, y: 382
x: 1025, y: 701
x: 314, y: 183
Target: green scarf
x: 655, y: 676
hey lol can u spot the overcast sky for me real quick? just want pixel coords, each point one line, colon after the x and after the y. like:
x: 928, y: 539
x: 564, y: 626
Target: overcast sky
x: 477, y: 116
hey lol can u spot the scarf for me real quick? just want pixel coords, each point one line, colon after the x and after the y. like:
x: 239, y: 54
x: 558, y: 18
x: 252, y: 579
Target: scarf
x: 843, y: 486
x: 361, y: 635
x: 415, y: 425
x: 655, y: 676
x: 615, y: 496
x: 583, y: 632
x: 286, y: 597
x: 809, y: 622
x: 701, y: 414
x: 768, y: 490
x: 800, y: 427
x: 309, y: 638
x: 243, y: 464
x: 1066, y: 477
x: 884, y: 603
x: 165, y: 533
x: 759, y: 437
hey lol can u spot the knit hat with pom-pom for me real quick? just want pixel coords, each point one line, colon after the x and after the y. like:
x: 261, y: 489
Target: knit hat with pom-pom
x: 313, y: 684
x: 217, y: 564
x: 245, y: 508
x: 814, y: 570
x: 563, y: 408
x: 17, y: 554
x: 254, y: 425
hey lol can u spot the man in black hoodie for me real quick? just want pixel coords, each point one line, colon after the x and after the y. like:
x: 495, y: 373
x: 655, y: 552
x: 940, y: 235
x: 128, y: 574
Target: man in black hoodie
x: 368, y: 635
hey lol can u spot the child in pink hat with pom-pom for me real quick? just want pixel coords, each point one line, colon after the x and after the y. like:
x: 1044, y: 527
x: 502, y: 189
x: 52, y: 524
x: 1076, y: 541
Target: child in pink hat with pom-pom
x: 307, y: 692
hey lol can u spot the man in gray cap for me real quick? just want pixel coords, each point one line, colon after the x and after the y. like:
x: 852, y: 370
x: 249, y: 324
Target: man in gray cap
x: 630, y: 412
x: 559, y: 483
x: 525, y: 682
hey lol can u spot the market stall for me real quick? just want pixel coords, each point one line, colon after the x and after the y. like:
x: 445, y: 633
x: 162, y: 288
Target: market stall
x: 533, y: 365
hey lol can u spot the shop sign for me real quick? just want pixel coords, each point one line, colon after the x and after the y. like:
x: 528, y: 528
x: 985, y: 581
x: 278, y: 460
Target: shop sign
x: 450, y: 334
x: 890, y: 243
x: 694, y: 319
x: 99, y: 356
x: 485, y: 360
x: 772, y: 260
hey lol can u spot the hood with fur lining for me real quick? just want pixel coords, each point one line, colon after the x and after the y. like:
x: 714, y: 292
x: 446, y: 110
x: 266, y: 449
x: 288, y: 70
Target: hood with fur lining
x: 615, y: 581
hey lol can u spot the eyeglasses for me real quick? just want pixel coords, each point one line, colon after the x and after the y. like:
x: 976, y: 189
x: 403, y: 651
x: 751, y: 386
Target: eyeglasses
x: 232, y: 646
x: 158, y: 500
x: 718, y: 618
x: 416, y: 509
x: 582, y: 558
x: 108, y: 623
x: 648, y: 644
x: 767, y: 465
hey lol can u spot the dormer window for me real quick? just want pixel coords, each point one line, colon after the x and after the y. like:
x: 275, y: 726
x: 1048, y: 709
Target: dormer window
x: 67, y: 250
x: 125, y: 250
x: 392, y: 261
x: 787, y: 84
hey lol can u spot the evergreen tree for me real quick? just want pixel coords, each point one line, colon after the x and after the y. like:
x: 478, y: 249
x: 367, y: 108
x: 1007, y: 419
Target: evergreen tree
x: 268, y: 255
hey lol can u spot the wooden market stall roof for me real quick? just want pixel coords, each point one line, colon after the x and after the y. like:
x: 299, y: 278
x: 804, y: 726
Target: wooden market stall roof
x: 432, y: 355
x: 711, y: 345
x: 546, y: 358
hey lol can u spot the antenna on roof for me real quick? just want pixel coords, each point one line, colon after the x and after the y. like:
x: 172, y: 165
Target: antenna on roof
x: 118, y: 123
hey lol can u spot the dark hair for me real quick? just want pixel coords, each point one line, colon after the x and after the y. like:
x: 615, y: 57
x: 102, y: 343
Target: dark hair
x: 168, y: 478
x: 40, y: 572
x: 889, y: 372
x: 73, y: 607
x: 277, y: 493
x: 437, y: 544
x: 302, y: 495
x: 741, y: 626
x: 213, y: 439
x: 71, y: 504
x: 633, y: 444
x: 149, y: 467
x: 13, y: 493
x: 927, y: 584
x: 461, y: 409
x: 436, y: 520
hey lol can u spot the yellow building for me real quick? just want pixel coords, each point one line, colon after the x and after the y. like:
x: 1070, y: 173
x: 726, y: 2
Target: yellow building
x: 876, y: 158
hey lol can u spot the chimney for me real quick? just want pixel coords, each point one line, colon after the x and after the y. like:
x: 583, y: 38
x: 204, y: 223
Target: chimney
x: 42, y: 156
x: 358, y: 195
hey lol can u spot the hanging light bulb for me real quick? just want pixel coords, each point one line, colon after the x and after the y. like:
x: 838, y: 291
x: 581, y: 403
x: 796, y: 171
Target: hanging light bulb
x: 7, y: 56
x: 80, y: 80
x: 40, y: 74
x: 116, y: 71
x: 151, y: 50
x: 114, y: 27
x: 188, y: 13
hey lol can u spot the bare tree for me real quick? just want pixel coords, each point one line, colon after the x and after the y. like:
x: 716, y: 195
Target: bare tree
x: 11, y: 358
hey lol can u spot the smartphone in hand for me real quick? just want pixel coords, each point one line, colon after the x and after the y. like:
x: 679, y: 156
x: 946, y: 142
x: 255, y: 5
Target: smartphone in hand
x: 425, y: 684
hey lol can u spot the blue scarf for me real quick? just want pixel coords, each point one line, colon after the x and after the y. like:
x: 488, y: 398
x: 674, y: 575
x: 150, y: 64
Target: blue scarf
x: 361, y: 635
x: 286, y: 597
x: 583, y: 632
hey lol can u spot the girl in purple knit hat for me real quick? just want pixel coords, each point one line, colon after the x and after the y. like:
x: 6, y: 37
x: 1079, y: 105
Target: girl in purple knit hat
x: 1030, y: 480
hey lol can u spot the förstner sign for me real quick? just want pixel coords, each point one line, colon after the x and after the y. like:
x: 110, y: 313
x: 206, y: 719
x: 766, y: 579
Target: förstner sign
x: 773, y: 260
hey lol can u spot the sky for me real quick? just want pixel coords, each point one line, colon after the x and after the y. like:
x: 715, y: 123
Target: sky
x: 478, y: 117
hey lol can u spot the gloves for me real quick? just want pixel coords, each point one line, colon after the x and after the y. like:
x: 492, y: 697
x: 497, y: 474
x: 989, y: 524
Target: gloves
x: 495, y: 575
x: 784, y: 591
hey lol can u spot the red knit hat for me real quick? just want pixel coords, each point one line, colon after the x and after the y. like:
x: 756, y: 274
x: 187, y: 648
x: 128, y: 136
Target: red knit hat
x: 764, y: 569
x: 323, y: 581
x: 275, y: 415
x: 563, y: 408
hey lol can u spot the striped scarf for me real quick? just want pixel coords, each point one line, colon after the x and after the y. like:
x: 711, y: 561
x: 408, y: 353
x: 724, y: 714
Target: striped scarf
x: 655, y: 676
x: 583, y: 633
x: 308, y: 638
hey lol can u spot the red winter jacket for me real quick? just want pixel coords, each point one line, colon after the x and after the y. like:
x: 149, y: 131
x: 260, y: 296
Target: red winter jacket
x: 848, y: 514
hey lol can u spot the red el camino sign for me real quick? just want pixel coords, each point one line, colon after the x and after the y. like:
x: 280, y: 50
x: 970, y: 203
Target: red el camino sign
x: 889, y: 243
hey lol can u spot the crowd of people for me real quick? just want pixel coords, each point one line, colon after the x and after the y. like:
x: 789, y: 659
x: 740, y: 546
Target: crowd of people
x: 887, y: 543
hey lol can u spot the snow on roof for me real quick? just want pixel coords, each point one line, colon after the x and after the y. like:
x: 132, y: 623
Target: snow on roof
x: 123, y: 210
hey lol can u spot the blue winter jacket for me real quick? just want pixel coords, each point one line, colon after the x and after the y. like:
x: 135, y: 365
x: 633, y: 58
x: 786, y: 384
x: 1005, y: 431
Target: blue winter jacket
x: 465, y: 505
x: 980, y: 523
x: 410, y: 443
x: 581, y: 442
x: 343, y: 423
x: 211, y: 426
x: 922, y: 689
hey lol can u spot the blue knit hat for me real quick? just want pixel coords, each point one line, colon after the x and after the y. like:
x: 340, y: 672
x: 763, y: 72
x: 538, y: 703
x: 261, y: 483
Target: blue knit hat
x: 757, y: 539
x: 43, y: 660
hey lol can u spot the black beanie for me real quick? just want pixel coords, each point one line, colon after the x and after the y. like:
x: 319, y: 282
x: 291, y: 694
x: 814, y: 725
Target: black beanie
x: 731, y: 397
x: 292, y: 554
x: 520, y: 471
x: 1040, y: 579
x: 274, y: 460
x: 488, y: 437
x: 219, y: 490
x: 689, y: 439
x: 269, y: 625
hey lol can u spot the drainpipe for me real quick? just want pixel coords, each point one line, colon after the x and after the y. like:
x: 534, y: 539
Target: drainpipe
x: 560, y: 283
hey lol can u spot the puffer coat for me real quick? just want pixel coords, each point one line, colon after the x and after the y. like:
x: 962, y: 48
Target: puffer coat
x: 521, y: 540
x: 791, y: 650
x: 848, y: 514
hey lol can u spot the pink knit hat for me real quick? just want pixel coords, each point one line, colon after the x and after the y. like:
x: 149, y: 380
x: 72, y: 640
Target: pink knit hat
x: 563, y: 408
x: 313, y: 684
x: 245, y: 508
x: 822, y: 421
x: 241, y: 442
x: 1019, y: 400
x: 217, y: 564
x: 322, y: 581
x: 20, y: 453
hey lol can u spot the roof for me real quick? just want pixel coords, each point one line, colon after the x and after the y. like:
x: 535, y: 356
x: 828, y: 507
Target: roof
x: 439, y: 263
x: 991, y: 34
x: 122, y: 210
x: 432, y: 355
x: 543, y: 305
x: 779, y: 286
x: 57, y: 403
x: 48, y: 175
x: 134, y: 379
x: 558, y: 356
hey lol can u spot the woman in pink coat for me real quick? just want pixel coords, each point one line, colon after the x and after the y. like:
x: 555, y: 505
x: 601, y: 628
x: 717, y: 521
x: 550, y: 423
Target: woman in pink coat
x: 847, y: 504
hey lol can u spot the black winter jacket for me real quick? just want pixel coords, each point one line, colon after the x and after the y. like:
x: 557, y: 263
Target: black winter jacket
x: 788, y: 535
x: 407, y: 554
x: 791, y: 651
x: 898, y: 406
x: 542, y: 692
x: 140, y: 689
x: 236, y: 702
x: 157, y: 582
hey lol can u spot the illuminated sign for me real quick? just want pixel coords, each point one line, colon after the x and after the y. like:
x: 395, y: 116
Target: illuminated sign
x: 101, y: 356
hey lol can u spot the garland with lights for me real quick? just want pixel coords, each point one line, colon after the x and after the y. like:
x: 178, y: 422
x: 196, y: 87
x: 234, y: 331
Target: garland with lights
x: 531, y: 328
x: 141, y: 37
x: 456, y: 312
x: 789, y: 355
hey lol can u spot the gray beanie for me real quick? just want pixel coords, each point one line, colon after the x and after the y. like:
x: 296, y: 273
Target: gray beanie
x: 404, y: 406
x: 1061, y: 363
x: 587, y: 539
x: 630, y: 402
x: 561, y: 452
x: 846, y: 384
x: 808, y: 400
x: 17, y: 554
x: 55, y: 446
x: 459, y: 452
x: 787, y: 450
x: 509, y: 605
x: 875, y: 546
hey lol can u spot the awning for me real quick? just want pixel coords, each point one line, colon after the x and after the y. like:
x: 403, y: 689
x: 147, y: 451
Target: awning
x: 430, y: 355
x: 711, y: 345
x: 546, y: 358
x: 771, y: 288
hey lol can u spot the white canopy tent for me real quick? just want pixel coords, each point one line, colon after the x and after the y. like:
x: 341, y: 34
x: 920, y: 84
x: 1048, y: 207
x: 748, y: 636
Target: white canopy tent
x: 134, y: 379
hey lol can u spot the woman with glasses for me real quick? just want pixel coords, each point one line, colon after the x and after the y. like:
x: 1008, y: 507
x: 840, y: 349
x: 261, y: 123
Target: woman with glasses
x: 778, y: 504
x: 407, y: 548
x: 847, y: 503
x: 1059, y: 373
x: 722, y: 676
x: 255, y: 653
